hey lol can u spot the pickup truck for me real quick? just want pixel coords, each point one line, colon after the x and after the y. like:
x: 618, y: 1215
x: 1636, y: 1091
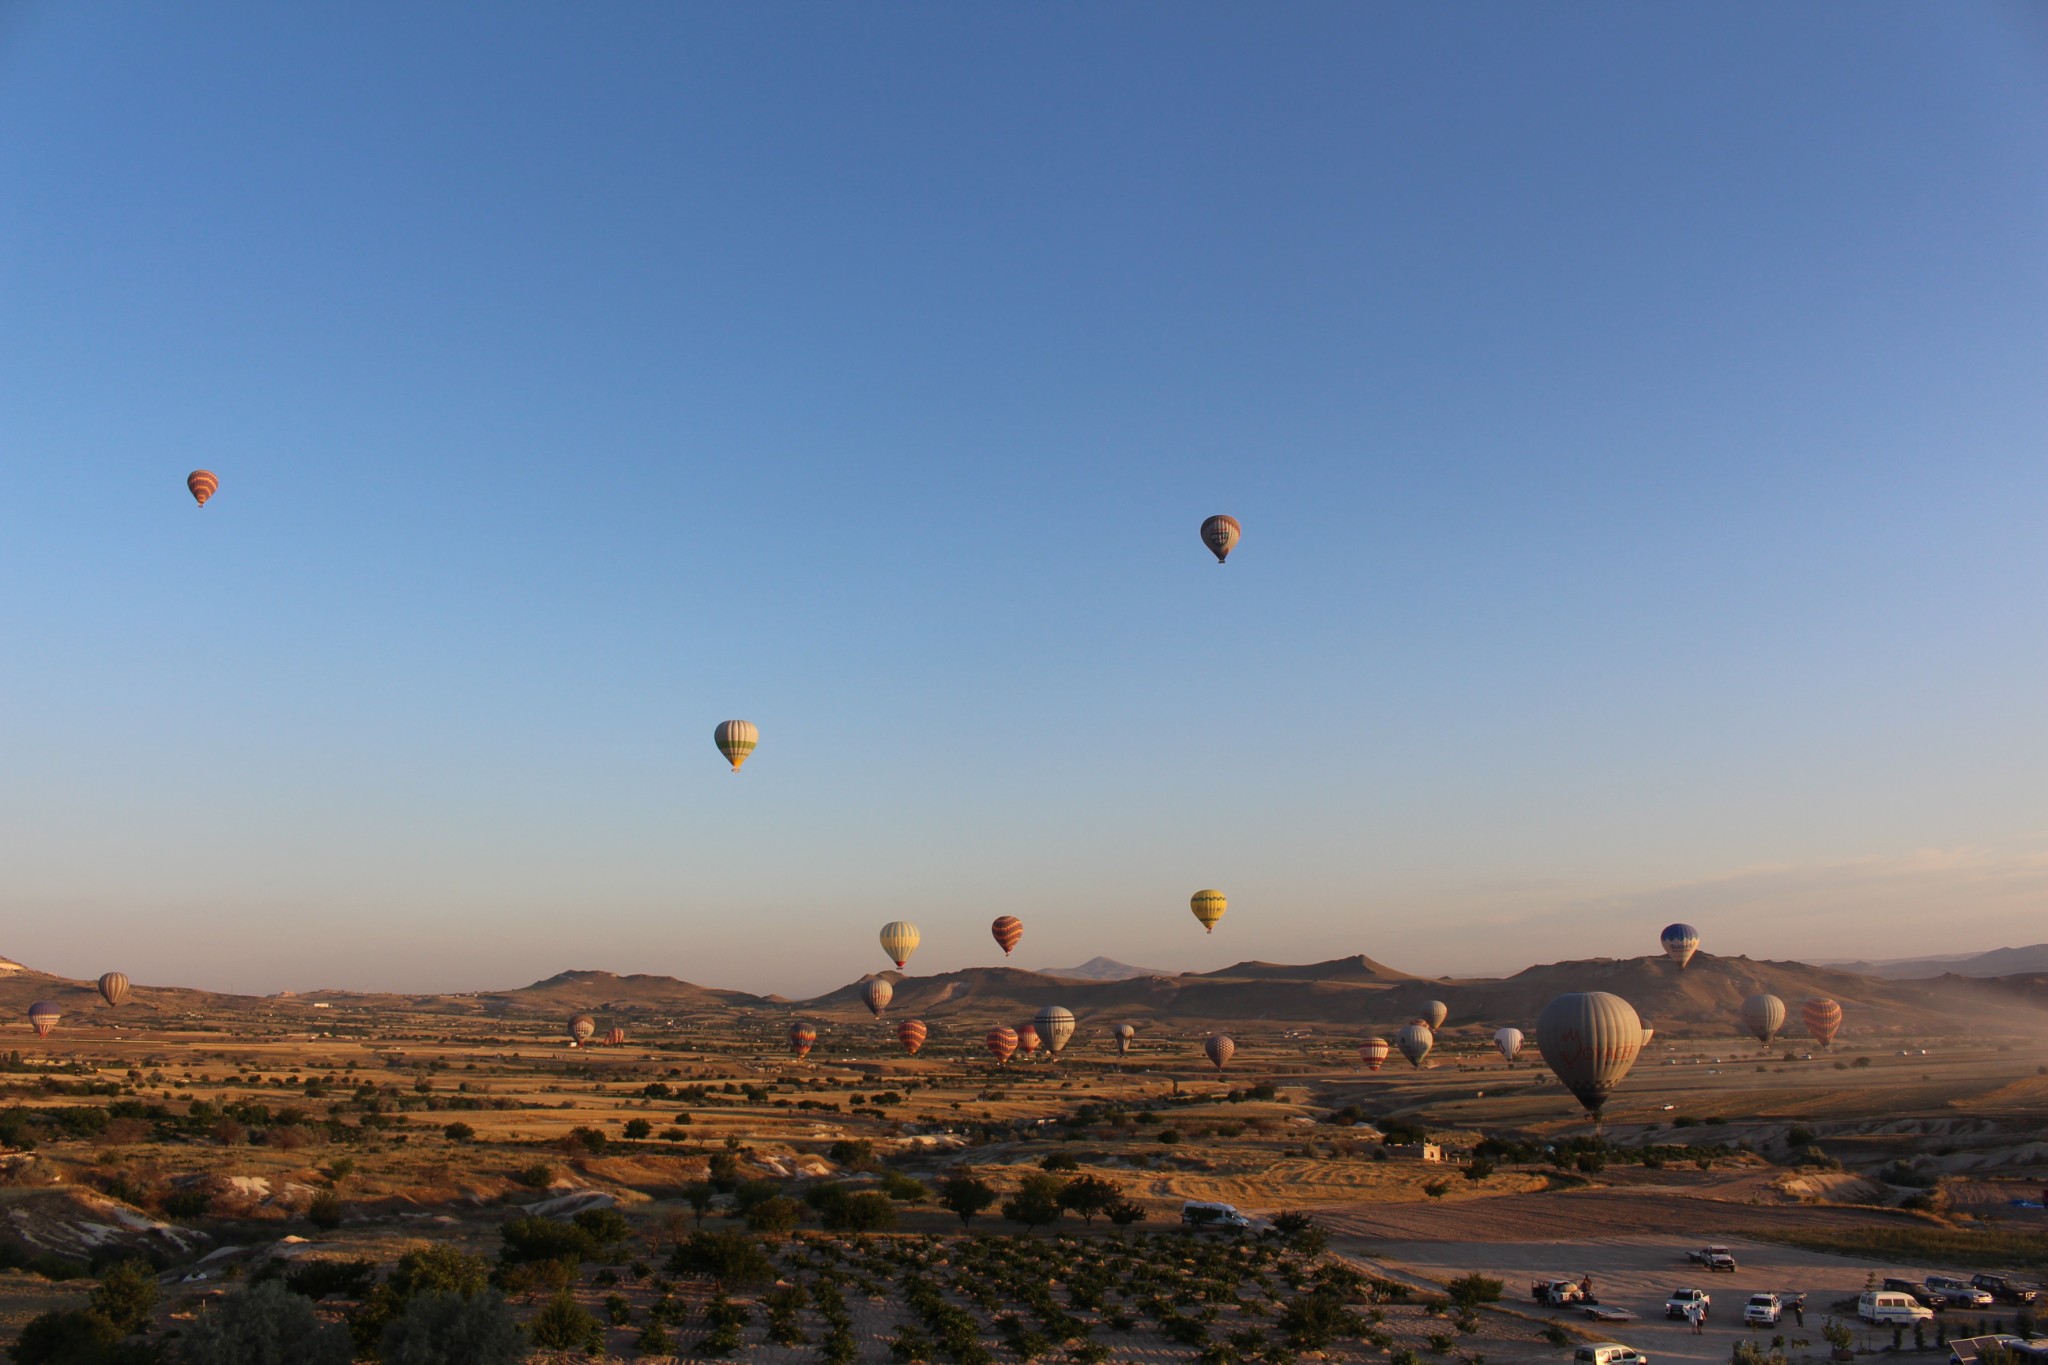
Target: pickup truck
x: 1959, y: 1293
x: 1713, y: 1257
x: 2005, y: 1288
x: 1762, y: 1310
x: 1682, y: 1300
x: 1556, y: 1292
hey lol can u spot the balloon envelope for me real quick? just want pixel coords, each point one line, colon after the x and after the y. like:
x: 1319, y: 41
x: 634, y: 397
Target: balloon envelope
x: 1680, y: 942
x: 1125, y: 1035
x: 736, y: 740
x: 1590, y: 1039
x: 1763, y: 1015
x: 114, y: 988
x: 875, y: 993
x: 1373, y: 1052
x: 1221, y: 533
x: 1434, y: 1012
x: 801, y: 1036
x: 1002, y: 1042
x: 581, y: 1027
x: 1008, y: 930
x: 1208, y: 907
x: 899, y: 940
x: 1055, y: 1024
x: 202, y: 484
x: 615, y: 1038
x: 1415, y: 1040
x: 1509, y: 1041
x: 1822, y: 1017
x: 1027, y: 1037
x: 1219, y: 1047
x: 911, y: 1033
x: 43, y: 1016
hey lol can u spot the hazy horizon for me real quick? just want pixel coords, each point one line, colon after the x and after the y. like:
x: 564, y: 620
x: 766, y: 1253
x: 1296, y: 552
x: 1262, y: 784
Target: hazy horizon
x: 1635, y: 416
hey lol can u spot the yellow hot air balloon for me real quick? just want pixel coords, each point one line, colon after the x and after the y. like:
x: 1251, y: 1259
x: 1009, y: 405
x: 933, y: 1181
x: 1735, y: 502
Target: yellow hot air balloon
x: 1208, y: 907
x: 736, y: 740
x: 899, y: 941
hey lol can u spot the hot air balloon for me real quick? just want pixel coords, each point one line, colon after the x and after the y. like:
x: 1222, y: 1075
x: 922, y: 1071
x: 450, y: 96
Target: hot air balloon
x: 1590, y: 1039
x: 203, y: 484
x: 1027, y: 1038
x: 1434, y: 1012
x: 114, y: 988
x: 615, y: 1038
x: 1002, y: 1042
x: 1220, y: 534
x: 1055, y: 1024
x: 1762, y: 1016
x: 1373, y: 1052
x: 899, y: 941
x: 1125, y: 1035
x: 1219, y: 1047
x: 736, y: 740
x: 1415, y: 1040
x: 1208, y: 907
x: 43, y: 1017
x: 1509, y: 1041
x: 1680, y: 941
x: 1008, y: 931
x: 1648, y: 1032
x: 875, y: 993
x: 801, y: 1036
x: 1822, y: 1017
x: 911, y: 1033
x: 580, y: 1029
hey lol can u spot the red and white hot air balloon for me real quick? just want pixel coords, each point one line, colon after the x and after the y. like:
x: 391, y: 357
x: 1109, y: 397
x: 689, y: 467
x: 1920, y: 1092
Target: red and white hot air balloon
x: 1008, y: 930
x: 911, y: 1033
x: 1002, y: 1042
x: 1822, y: 1017
x: 1373, y: 1052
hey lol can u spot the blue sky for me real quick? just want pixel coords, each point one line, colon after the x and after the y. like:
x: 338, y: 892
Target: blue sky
x: 1636, y: 415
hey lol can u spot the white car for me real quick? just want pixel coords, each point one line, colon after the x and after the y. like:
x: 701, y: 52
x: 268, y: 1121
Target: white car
x: 1682, y: 1301
x: 1609, y: 1353
x: 1762, y: 1310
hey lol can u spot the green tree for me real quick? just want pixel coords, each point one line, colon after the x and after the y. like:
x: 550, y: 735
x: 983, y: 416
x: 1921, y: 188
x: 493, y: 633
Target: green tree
x: 965, y: 1196
x: 1090, y: 1195
x: 531, y: 1238
x: 265, y: 1324
x: 459, y: 1132
x: 637, y: 1130
x: 564, y: 1325
x: 775, y: 1217
x: 454, y: 1329
x: 732, y: 1259
x: 1037, y: 1201
x: 76, y: 1336
x: 126, y: 1296
x: 699, y: 1195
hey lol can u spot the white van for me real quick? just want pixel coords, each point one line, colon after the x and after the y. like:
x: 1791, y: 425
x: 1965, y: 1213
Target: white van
x: 1197, y: 1213
x: 1889, y: 1308
x: 1609, y: 1353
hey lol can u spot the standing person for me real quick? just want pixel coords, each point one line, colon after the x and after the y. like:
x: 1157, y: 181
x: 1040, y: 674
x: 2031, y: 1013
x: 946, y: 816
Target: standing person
x: 1799, y: 1310
x: 1693, y: 1314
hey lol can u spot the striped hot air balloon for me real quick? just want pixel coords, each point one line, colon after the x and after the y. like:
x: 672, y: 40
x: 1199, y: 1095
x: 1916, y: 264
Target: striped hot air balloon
x: 615, y: 1038
x: 203, y: 484
x: 899, y: 940
x: 1220, y: 533
x: 1434, y: 1012
x: 801, y: 1037
x: 736, y: 740
x: 1002, y: 1042
x: 1219, y: 1047
x: 1373, y: 1052
x: 581, y: 1028
x: 114, y: 988
x: 1822, y: 1017
x: 1125, y: 1035
x: 1763, y: 1015
x: 43, y: 1016
x: 1415, y: 1040
x: 1590, y: 1039
x: 1680, y: 942
x: 911, y: 1033
x: 1008, y: 931
x: 1055, y: 1024
x: 1027, y: 1038
x: 876, y: 993
x: 1209, y: 907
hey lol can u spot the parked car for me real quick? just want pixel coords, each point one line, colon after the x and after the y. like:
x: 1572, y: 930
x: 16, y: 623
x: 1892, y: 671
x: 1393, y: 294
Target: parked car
x: 1713, y: 1256
x: 1762, y: 1310
x: 1556, y: 1291
x: 1682, y: 1300
x: 1959, y: 1293
x: 1887, y: 1308
x: 1609, y: 1353
x: 1921, y: 1294
x: 1198, y: 1214
x: 2005, y: 1288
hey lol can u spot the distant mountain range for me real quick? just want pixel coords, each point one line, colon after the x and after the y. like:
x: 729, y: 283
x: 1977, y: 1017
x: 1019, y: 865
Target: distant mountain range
x: 1997, y: 962
x: 1103, y: 969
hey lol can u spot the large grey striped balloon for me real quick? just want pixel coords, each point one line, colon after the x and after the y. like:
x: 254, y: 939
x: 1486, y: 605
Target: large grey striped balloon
x: 1590, y: 1039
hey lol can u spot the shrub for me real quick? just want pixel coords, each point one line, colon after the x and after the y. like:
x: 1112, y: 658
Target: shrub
x: 1556, y: 1335
x: 316, y: 1279
x: 636, y: 1130
x: 1469, y: 1291
x: 459, y: 1132
x: 77, y: 1336
x: 606, y: 1228
x: 776, y: 1217
x: 538, y: 1176
x: 843, y: 1210
x: 1059, y: 1161
x: 905, y: 1189
x: 454, y: 1329
x: 852, y: 1151
x: 564, y: 1325
x: 731, y: 1258
x: 187, y: 1203
x: 325, y: 1211
x: 1312, y: 1321
x: 531, y: 1238
x: 127, y: 1295
x: 265, y: 1324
